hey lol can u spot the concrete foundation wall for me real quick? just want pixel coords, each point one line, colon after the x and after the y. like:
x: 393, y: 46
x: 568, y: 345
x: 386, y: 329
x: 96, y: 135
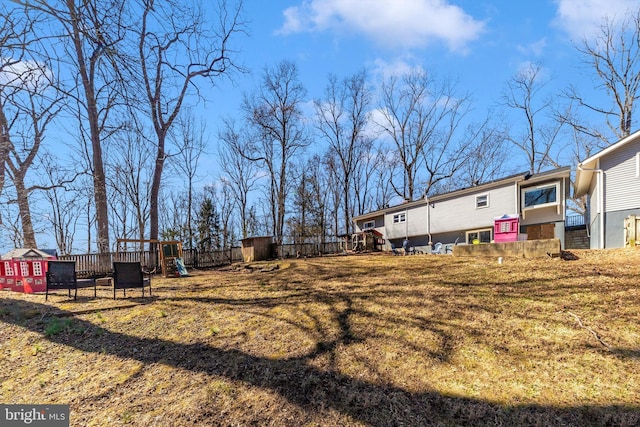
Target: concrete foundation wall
x: 524, y: 249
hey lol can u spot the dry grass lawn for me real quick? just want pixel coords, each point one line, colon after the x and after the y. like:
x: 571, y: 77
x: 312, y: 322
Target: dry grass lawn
x: 335, y: 341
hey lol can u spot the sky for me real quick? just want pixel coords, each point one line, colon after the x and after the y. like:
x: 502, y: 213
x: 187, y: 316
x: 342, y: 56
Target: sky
x: 480, y: 43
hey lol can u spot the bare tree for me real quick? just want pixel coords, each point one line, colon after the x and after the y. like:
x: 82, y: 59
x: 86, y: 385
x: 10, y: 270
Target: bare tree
x: 176, y: 46
x: 190, y: 136
x: 317, y: 184
x: 34, y: 118
x: 274, y: 112
x: 487, y: 155
x: 614, y: 57
x: 342, y: 118
x: 14, y: 30
x: 173, y: 217
x: 372, y: 180
x: 87, y: 34
x: 130, y: 168
x: 240, y: 173
x: 64, y: 205
x: 28, y: 104
x: 94, y: 30
x: 421, y: 116
x: 226, y: 207
x: 538, y: 137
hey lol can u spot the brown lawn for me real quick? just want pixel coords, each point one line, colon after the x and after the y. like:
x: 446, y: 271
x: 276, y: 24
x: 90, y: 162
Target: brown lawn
x: 347, y: 340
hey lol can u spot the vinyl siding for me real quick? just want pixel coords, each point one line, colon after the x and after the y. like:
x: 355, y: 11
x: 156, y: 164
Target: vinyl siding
x: 622, y: 185
x: 461, y: 213
x: 416, y: 223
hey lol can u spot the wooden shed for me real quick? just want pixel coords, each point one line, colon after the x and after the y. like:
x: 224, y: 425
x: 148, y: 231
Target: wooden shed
x: 257, y: 248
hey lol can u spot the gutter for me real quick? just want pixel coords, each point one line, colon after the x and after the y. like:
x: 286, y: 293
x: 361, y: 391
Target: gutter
x: 600, y: 195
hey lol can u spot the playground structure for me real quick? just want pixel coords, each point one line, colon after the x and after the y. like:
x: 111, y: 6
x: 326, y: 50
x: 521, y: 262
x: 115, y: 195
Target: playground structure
x: 170, y: 255
x: 368, y: 240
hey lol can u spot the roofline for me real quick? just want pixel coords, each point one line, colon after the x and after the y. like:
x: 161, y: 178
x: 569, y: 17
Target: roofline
x: 611, y: 148
x: 523, y: 176
x: 586, y: 168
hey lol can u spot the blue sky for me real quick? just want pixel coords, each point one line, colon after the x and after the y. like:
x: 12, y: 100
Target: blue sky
x: 482, y: 43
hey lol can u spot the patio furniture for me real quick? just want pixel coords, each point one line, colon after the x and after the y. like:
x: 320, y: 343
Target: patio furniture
x: 129, y: 275
x: 448, y: 248
x: 62, y: 275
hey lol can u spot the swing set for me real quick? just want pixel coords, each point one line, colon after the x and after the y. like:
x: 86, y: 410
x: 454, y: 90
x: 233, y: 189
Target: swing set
x: 171, y: 261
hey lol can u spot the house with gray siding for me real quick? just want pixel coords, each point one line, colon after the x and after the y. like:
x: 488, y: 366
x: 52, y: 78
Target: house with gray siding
x: 468, y: 215
x: 611, y: 181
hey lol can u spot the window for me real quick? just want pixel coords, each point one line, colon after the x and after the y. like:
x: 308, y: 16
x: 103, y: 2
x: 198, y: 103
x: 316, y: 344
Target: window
x: 399, y: 218
x: 505, y: 227
x: 480, y: 236
x: 8, y: 269
x: 37, y: 269
x: 24, y: 269
x: 482, y: 201
x: 368, y: 224
x: 544, y: 195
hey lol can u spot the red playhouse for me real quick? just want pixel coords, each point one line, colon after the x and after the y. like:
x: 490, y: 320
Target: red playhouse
x: 24, y: 270
x: 506, y: 228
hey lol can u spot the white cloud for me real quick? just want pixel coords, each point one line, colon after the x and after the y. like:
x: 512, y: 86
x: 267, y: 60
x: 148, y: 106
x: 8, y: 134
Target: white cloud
x: 581, y: 18
x: 24, y: 74
x: 393, y: 24
x: 536, y: 48
x: 383, y: 69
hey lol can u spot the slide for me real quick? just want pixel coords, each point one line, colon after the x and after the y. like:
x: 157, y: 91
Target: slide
x: 182, y: 270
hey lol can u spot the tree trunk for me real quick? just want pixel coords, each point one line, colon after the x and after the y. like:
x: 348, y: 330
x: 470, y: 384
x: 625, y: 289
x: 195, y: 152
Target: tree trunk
x: 155, y: 189
x: 22, y: 194
x: 99, y: 179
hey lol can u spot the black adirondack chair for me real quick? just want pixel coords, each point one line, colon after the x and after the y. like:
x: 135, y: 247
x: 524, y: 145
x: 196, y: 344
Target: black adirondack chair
x: 62, y: 275
x: 128, y: 275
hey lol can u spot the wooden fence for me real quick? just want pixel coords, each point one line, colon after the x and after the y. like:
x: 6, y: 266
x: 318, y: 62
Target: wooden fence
x: 100, y: 265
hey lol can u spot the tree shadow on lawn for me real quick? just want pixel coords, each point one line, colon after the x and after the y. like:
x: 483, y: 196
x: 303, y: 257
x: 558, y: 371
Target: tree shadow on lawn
x: 313, y: 389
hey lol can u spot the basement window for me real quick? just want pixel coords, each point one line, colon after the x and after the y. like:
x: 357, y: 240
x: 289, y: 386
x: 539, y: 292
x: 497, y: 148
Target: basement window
x: 479, y: 236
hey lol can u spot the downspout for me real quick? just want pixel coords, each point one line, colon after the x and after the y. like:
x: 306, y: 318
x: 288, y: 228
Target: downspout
x: 426, y: 198
x: 517, y: 198
x: 600, y: 195
x: 517, y: 204
x: 406, y: 223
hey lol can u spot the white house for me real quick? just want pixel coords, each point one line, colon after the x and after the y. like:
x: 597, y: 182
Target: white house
x: 468, y: 214
x: 611, y: 181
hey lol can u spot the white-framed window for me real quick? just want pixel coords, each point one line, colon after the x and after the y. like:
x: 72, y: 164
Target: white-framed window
x: 479, y: 236
x: 399, y: 218
x: 24, y: 268
x: 368, y: 225
x: 541, y: 196
x: 482, y: 201
x: 8, y: 268
x: 505, y: 227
